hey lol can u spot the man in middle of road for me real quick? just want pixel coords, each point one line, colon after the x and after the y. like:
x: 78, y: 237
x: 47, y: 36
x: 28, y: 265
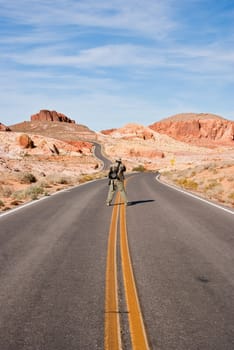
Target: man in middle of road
x: 116, y: 181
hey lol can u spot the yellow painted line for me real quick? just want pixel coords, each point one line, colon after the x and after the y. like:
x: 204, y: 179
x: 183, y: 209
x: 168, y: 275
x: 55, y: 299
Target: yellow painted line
x: 136, y: 323
x: 112, y: 323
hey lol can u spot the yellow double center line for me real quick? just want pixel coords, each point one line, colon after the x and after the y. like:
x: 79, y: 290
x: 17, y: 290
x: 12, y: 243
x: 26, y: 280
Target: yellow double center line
x: 112, y: 321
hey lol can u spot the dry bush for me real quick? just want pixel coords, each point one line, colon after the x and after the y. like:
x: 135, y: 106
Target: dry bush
x: 187, y: 183
x: 28, y: 178
x: 31, y: 192
x: 55, y: 179
x: 211, y: 185
x: 86, y: 178
x: 139, y: 168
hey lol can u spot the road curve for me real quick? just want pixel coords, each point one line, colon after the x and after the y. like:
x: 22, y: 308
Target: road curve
x: 99, y: 154
x: 53, y: 257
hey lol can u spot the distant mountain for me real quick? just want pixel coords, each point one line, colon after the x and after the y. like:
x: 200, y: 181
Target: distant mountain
x: 4, y: 127
x: 202, y: 129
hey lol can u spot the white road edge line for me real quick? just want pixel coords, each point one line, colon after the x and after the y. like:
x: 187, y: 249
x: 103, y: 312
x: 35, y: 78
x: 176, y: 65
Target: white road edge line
x: 194, y: 196
x: 11, y: 211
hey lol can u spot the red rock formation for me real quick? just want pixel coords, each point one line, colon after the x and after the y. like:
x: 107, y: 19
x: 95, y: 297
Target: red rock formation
x: 201, y: 131
x: 51, y: 116
x: 25, y: 141
x: 4, y: 127
x: 80, y: 145
x: 108, y: 131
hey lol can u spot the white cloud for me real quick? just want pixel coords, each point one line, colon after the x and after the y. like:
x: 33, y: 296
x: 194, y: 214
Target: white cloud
x: 111, y: 60
x: 148, y: 18
x: 210, y: 61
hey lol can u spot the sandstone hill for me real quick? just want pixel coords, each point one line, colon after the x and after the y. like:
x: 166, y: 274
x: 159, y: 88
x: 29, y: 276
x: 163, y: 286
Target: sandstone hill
x: 50, y: 150
x: 58, y: 153
x: 56, y: 125
x: 55, y: 129
x: 206, y: 130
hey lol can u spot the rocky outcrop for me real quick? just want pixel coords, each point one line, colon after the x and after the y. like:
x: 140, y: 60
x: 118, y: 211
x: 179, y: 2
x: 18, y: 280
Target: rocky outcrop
x: 131, y: 131
x: 200, y: 131
x: 80, y: 146
x: 53, y: 116
x: 4, y: 127
x: 108, y: 131
x: 25, y: 141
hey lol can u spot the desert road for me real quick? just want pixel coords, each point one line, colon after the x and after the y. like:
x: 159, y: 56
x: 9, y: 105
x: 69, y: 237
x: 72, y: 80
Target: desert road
x: 78, y: 275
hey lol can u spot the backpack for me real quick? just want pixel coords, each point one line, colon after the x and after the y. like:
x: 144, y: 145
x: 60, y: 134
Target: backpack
x: 113, y: 173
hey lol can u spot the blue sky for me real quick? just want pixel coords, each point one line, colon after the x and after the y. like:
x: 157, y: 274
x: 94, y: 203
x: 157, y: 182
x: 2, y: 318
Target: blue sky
x: 106, y: 63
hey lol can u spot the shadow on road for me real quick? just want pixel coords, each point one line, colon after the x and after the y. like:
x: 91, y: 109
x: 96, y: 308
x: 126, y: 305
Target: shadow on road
x: 142, y: 201
x: 136, y: 202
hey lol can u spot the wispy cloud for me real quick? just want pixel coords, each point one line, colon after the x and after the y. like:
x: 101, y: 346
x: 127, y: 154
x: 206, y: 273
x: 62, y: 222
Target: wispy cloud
x: 135, y: 57
x: 148, y: 17
x: 191, y: 59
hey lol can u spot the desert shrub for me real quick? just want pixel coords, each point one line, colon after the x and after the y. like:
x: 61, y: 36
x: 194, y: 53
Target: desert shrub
x: 231, y: 196
x: 1, y: 203
x: 34, y: 191
x: 64, y: 181
x: 58, y: 179
x: 139, y: 168
x: 86, y: 178
x: 18, y: 195
x: 43, y: 184
x: 188, y: 184
x: 28, y: 178
x: 211, y: 185
x: 6, y: 191
x: 31, y: 192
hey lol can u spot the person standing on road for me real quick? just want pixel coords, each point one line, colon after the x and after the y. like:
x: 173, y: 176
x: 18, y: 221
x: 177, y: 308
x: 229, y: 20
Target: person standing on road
x: 116, y: 181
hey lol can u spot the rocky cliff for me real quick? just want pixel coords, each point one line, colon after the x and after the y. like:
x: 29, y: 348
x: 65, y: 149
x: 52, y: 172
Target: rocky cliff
x: 199, y: 129
x: 45, y: 115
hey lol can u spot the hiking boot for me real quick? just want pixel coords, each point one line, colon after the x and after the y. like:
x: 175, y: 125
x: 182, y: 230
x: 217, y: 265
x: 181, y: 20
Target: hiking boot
x: 108, y: 204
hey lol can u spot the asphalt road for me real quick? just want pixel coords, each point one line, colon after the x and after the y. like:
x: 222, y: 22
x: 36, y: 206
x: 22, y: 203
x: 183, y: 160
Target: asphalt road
x: 99, y: 154
x: 53, y: 269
